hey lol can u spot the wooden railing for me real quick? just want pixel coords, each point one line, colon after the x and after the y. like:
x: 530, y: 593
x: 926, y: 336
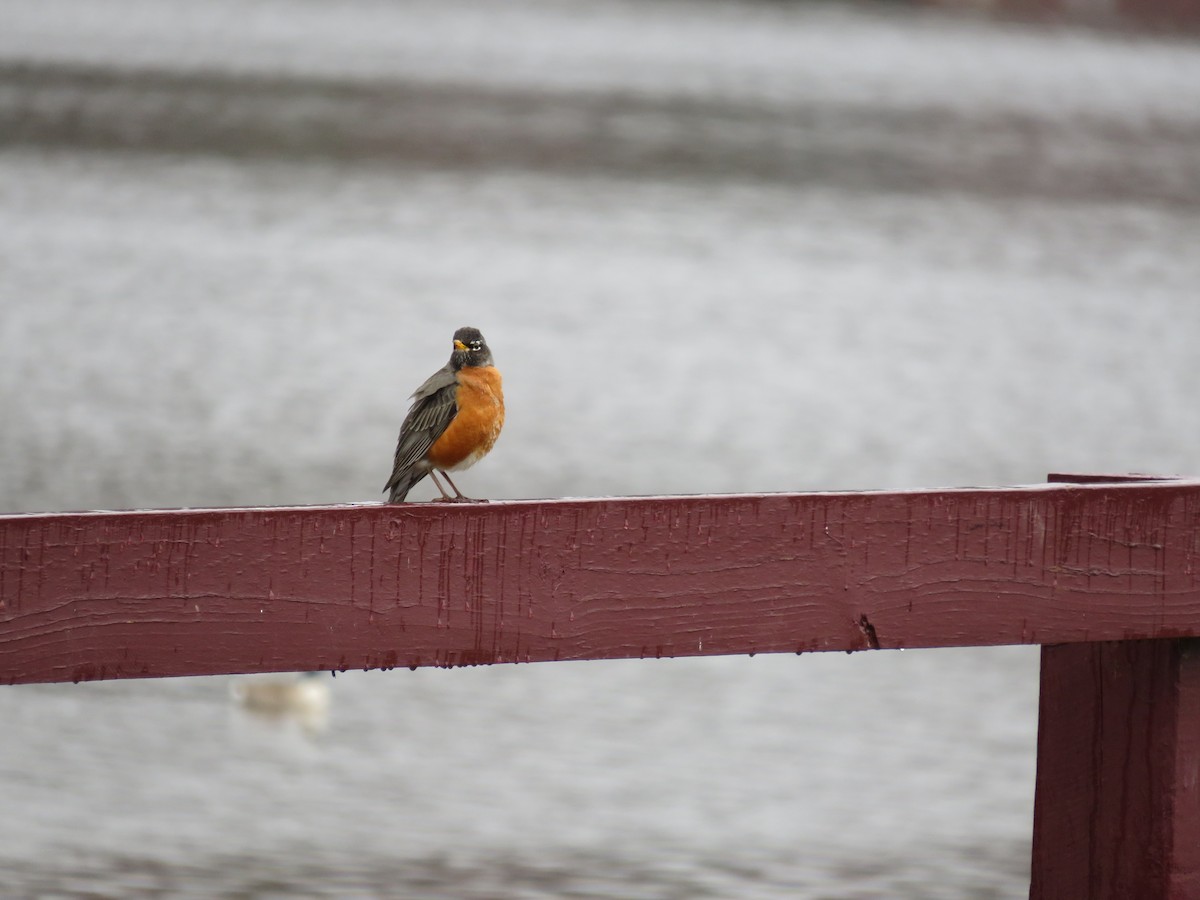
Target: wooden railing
x: 1104, y: 573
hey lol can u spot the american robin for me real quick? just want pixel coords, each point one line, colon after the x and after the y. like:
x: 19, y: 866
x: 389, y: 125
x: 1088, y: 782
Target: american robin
x: 454, y: 420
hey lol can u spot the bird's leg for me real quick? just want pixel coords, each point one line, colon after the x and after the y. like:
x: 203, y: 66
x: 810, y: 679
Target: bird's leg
x: 460, y: 497
x: 433, y: 477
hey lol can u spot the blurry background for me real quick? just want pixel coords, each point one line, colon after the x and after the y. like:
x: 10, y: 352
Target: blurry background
x: 715, y: 247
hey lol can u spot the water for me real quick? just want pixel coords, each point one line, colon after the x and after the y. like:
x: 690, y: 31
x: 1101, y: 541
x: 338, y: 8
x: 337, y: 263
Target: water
x: 726, y: 777
x: 715, y: 247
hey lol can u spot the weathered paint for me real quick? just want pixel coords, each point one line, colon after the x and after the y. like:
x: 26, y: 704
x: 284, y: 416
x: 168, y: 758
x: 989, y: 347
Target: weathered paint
x: 1117, y: 808
x: 1117, y: 802
x: 185, y: 592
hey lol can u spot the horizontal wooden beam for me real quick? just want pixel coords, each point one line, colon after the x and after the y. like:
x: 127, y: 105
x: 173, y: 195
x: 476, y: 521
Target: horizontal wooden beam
x: 186, y: 592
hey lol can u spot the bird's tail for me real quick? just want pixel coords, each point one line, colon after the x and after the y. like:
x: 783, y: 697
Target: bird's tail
x: 401, y: 483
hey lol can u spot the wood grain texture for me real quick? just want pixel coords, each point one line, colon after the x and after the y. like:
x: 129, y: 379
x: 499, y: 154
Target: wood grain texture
x: 139, y: 594
x: 1117, y: 808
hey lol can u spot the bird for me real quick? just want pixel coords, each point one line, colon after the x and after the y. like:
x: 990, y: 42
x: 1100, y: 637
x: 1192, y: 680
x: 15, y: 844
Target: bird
x: 454, y: 420
x: 300, y: 696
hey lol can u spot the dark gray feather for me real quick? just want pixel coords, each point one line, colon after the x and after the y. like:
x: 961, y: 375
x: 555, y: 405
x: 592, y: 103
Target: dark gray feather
x: 429, y: 416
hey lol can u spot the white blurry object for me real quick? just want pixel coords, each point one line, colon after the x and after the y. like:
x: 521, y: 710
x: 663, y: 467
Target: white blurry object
x: 302, y: 696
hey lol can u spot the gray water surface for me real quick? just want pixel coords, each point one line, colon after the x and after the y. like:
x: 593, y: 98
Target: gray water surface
x: 715, y: 247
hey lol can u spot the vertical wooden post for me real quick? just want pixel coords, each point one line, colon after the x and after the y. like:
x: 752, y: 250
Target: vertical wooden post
x: 1117, y: 808
x: 1117, y: 804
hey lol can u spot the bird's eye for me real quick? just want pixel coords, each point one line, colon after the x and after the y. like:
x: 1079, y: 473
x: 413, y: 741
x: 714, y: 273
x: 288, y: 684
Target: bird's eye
x: 476, y: 345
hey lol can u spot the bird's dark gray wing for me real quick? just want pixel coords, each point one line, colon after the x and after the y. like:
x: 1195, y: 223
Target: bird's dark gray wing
x: 431, y: 413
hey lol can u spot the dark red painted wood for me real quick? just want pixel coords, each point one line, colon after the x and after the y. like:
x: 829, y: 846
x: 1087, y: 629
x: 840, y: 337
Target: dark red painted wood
x: 1117, y: 808
x: 1103, y: 479
x: 136, y: 594
x: 1117, y: 805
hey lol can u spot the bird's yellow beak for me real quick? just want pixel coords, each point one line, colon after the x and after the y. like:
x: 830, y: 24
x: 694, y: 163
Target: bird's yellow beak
x: 459, y: 345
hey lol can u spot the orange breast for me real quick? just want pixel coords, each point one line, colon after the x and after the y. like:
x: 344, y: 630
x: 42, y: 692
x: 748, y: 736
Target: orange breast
x: 478, y: 422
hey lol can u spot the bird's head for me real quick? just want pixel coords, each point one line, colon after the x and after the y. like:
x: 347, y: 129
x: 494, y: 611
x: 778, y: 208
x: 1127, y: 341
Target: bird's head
x: 470, y: 349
